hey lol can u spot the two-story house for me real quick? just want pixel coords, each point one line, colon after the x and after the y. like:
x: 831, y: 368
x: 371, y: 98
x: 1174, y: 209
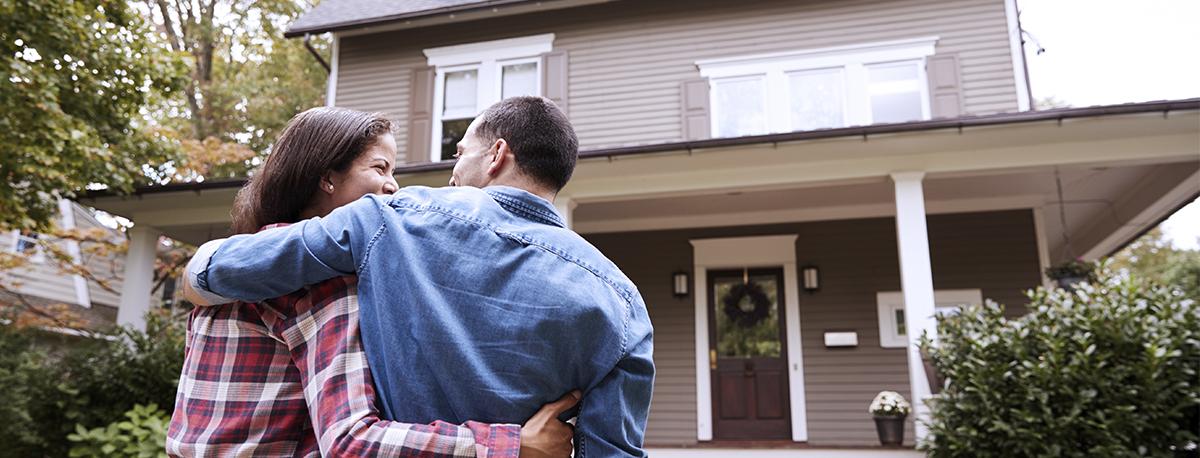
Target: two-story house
x: 796, y: 186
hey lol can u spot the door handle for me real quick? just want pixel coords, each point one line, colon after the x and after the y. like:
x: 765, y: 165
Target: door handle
x: 712, y: 360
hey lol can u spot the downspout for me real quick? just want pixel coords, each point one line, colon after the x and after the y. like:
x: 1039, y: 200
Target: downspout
x: 315, y: 54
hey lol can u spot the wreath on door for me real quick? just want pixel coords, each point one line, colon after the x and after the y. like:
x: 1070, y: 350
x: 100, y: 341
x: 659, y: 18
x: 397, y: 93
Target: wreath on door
x: 746, y: 315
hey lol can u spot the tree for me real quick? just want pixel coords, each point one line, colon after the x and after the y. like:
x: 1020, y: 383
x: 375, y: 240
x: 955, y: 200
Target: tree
x: 76, y: 77
x: 246, y: 80
x: 1152, y: 257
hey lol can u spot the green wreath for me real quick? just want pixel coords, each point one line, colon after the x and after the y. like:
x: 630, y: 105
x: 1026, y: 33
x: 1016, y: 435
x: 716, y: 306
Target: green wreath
x: 747, y: 316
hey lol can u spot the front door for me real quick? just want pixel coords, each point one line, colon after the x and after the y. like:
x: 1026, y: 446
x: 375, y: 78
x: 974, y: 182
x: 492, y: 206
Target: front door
x: 747, y: 355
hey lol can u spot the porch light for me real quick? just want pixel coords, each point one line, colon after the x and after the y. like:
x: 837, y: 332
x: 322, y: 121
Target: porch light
x: 812, y: 278
x: 680, y: 280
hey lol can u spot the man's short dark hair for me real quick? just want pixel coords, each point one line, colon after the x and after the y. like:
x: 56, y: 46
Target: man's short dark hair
x: 538, y: 133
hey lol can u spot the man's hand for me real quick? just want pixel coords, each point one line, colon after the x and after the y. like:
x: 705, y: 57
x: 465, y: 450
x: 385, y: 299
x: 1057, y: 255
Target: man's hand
x: 543, y: 436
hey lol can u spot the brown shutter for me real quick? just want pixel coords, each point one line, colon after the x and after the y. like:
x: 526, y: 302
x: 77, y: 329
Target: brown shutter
x: 694, y: 95
x: 554, y: 78
x: 944, y: 86
x: 420, y: 116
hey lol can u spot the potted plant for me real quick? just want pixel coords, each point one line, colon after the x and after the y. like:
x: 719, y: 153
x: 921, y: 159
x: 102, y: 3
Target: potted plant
x: 890, y: 409
x: 1071, y: 273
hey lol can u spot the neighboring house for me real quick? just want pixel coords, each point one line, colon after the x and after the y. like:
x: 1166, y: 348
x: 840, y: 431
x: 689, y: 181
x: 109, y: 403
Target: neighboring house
x: 44, y: 281
x: 864, y: 163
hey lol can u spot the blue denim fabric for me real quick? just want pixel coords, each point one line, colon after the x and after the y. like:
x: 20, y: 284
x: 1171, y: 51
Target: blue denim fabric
x: 474, y: 305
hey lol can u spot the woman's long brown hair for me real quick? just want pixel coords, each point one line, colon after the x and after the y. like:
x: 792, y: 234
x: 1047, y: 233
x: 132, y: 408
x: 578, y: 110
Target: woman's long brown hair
x: 314, y: 143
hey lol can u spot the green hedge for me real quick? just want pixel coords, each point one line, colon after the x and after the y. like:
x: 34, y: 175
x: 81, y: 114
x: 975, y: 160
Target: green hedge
x: 51, y: 391
x: 1107, y: 370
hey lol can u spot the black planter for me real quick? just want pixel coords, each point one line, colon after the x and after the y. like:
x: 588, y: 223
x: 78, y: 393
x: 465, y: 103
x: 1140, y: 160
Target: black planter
x: 891, y: 430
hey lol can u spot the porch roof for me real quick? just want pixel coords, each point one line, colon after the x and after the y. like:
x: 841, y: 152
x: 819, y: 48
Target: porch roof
x: 1125, y: 167
x: 961, y: 123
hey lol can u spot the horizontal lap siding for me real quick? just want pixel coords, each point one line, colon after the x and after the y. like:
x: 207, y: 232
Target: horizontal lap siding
x: 993, y: 251
x: 627, y: 59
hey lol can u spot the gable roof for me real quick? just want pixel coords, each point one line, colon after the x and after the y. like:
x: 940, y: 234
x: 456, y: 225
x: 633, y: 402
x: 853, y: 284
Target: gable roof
x: 333, y: 15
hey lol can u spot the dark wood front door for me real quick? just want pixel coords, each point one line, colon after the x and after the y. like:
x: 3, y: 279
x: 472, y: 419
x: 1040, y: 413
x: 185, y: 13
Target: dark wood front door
x: 747, y: 355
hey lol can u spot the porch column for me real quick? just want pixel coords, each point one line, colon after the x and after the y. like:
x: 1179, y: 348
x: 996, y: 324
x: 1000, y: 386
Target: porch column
x: 916, y: 281
x: 139, y: 277
x: 566, y: 209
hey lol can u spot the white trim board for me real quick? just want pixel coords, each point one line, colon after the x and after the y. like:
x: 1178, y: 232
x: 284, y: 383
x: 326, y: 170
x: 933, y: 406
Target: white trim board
x: 740, y: 252
x: 798, y: 215
x: 887, y: 302
x: 1012, y: 14
x: 331, y: 82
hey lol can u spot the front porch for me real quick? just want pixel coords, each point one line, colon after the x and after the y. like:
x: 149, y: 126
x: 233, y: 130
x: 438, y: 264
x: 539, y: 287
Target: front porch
x: 912, y: 212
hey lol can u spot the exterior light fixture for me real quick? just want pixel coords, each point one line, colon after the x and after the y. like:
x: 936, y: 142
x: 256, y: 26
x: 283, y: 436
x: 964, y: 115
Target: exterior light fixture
x: 812, y: 278
x: 680, y: 282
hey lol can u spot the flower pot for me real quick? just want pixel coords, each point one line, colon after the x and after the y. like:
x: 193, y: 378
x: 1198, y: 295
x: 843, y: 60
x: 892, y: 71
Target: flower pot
x: 891, y: 430
x: 932, y: 375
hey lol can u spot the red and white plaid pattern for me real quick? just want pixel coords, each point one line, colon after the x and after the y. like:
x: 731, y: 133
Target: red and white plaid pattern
x: 253, y: 370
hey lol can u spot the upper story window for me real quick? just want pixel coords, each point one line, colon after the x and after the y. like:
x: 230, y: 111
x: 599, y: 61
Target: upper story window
x: 26, y: 243
x: 472, y: 77
x: 819, y: 88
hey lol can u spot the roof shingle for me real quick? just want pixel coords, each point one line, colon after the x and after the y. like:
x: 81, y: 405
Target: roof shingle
x: 333, y: 14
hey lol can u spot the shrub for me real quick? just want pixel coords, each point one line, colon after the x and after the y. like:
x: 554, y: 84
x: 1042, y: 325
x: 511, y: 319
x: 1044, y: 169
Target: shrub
x: 92, y: 383
x: 142, y: 434
x: 1109, y: 369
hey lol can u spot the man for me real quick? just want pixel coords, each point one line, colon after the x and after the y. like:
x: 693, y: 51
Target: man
x: 476, y: 302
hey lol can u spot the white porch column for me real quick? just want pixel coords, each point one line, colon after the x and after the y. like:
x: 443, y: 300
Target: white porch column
x: 566, y: 209
x: 139, y: 277
x: 916, y: 280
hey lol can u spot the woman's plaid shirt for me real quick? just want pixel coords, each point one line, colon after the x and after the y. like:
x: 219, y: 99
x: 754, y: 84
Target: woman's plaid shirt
x: 288, y: 377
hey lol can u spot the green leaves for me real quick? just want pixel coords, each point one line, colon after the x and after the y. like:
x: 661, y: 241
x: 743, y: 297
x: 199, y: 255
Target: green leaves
x: 74, y: 78
x: 1107, y: 370
x: 144, y: 434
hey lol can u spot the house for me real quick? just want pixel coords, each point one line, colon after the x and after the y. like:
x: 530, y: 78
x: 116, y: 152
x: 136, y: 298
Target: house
x: 796, y: 187
x: 43, y: 281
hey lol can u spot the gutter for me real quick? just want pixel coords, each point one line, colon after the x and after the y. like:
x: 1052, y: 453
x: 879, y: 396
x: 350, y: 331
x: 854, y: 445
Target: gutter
x: 961, y: 123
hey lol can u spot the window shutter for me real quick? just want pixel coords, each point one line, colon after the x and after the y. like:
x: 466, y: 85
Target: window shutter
x: 944, y: 86
x: 554, y: 78
x: 420, y: 116
x: 696, y: 125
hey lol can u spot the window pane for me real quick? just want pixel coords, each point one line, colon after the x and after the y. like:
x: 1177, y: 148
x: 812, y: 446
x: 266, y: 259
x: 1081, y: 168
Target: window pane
x: 900, y: 326
x: 519, y: 79
x: 740, y: 108
x: 895, y: 92
x: 747, y: 338
x: 460, y: 94
x: 817, y: 99
x: 452, y: 132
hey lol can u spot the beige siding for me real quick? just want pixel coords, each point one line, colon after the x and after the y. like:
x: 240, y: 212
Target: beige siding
x: 627, y: 59
x: 995, y: 252
x: 48, y: 283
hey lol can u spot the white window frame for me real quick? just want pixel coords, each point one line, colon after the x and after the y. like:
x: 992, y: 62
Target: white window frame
x: 489, y: 59
x: 852, y: 60
x: 39, y: 254
x: 945, y: 301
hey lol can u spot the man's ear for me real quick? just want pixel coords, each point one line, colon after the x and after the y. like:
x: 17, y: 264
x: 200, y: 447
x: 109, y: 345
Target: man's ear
x: 501, y: 158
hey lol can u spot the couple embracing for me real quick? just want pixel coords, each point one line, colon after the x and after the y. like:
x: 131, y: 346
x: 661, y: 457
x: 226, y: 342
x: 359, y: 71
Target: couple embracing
x: 441, y: 322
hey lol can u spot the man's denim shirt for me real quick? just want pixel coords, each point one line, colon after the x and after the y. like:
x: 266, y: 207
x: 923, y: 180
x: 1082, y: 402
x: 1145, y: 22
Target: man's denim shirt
x: 474, y: 305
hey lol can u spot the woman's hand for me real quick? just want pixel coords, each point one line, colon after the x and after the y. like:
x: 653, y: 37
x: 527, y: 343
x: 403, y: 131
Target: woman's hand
x: 544, y: 436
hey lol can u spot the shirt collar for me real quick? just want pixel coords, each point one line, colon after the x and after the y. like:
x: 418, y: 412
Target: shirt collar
x: 525, y: 204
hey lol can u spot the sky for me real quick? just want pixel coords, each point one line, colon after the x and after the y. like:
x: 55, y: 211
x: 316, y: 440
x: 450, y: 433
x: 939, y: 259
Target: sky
x: 1103, y: 52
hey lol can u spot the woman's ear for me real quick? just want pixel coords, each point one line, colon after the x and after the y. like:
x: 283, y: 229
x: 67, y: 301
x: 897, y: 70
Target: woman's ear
x: 326, y: 185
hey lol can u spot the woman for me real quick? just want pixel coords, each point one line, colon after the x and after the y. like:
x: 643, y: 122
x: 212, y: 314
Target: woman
x: 287, y: 376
